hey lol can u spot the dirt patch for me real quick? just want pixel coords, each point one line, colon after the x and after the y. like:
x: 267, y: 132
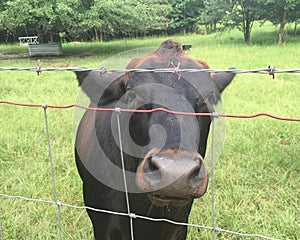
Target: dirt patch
x: 13, y: 56
x: 25, y: 55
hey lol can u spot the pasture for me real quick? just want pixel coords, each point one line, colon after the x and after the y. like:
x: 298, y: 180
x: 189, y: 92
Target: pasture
x: 256, y: 177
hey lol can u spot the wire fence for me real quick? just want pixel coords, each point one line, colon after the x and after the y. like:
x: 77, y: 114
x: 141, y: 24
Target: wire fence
x: 130, y: 214
x: 269, y: 70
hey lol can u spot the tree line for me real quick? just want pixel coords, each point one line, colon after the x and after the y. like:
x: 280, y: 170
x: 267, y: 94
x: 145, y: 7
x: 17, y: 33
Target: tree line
x: 103, y: 20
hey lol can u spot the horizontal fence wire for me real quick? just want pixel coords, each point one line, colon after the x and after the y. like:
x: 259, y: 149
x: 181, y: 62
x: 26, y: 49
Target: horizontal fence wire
x: 262, y: 114
x: 269, y: 70
x: 132, y: 215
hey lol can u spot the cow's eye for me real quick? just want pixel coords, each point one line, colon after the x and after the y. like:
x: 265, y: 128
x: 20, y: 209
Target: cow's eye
x: 205, y: 107
x: 130, y: 96
x: 199, y: 104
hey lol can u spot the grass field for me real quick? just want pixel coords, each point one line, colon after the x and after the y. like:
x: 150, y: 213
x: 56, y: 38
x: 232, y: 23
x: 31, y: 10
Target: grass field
x: 256, y: 177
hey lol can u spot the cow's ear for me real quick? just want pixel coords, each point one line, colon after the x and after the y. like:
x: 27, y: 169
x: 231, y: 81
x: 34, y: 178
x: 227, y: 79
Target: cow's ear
x: 81, y: 75
x: 223, y: 79
x: 101, y: 88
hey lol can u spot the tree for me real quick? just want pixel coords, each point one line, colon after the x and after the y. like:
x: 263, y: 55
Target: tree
x: 13, y: 14
x: 243, y: 14
x: 71, y: 14
x: 185, y: 14
x: 104, y: 20
x: 281, y: 12
x: 214, y: 12
x: 31, y: 14
x: 79, y: 19
x: 119, y: 17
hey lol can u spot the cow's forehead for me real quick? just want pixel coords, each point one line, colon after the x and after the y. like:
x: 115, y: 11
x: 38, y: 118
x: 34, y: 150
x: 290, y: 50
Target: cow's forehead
x: 170, y: 55
x: 171, y: 87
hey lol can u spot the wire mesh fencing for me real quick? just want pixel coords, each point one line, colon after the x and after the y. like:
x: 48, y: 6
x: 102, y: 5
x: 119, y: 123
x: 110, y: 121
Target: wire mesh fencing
x: 131, y: 215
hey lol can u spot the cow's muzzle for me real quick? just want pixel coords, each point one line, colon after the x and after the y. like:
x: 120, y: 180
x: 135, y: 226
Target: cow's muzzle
x: 172, y: 176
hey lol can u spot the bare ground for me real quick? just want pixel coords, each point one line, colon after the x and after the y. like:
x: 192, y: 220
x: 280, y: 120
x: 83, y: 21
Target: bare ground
x: 25, y: 55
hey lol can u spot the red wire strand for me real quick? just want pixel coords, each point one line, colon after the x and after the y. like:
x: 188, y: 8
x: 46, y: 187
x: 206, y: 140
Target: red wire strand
x: 152, y: 110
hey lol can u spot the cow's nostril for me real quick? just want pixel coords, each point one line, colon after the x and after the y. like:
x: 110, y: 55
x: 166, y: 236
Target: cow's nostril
x: 152, y: 165
x: 194, y: 177
x: 172, y: 174
x: 152, y: 175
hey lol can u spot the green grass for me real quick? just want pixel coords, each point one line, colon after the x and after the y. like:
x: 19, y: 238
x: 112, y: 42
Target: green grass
x: 256, y: 177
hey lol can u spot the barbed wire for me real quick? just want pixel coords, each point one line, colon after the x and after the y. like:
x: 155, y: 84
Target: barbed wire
x: 103, y: 70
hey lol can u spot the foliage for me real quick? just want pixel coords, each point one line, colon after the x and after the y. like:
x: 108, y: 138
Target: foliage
x: 185, y: 14
x: 275, y: 9
x: 281, y: 12
x: 242, y: 16
x: 79, y: 20
x: 126, y: 17
x: 214, y: 12
x: 36, y: 14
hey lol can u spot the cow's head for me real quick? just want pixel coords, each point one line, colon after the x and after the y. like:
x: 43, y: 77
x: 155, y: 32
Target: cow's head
x: 168, y: 148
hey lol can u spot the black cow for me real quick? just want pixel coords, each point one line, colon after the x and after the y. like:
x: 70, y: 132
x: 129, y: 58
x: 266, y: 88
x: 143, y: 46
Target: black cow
x: 163, y: 152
